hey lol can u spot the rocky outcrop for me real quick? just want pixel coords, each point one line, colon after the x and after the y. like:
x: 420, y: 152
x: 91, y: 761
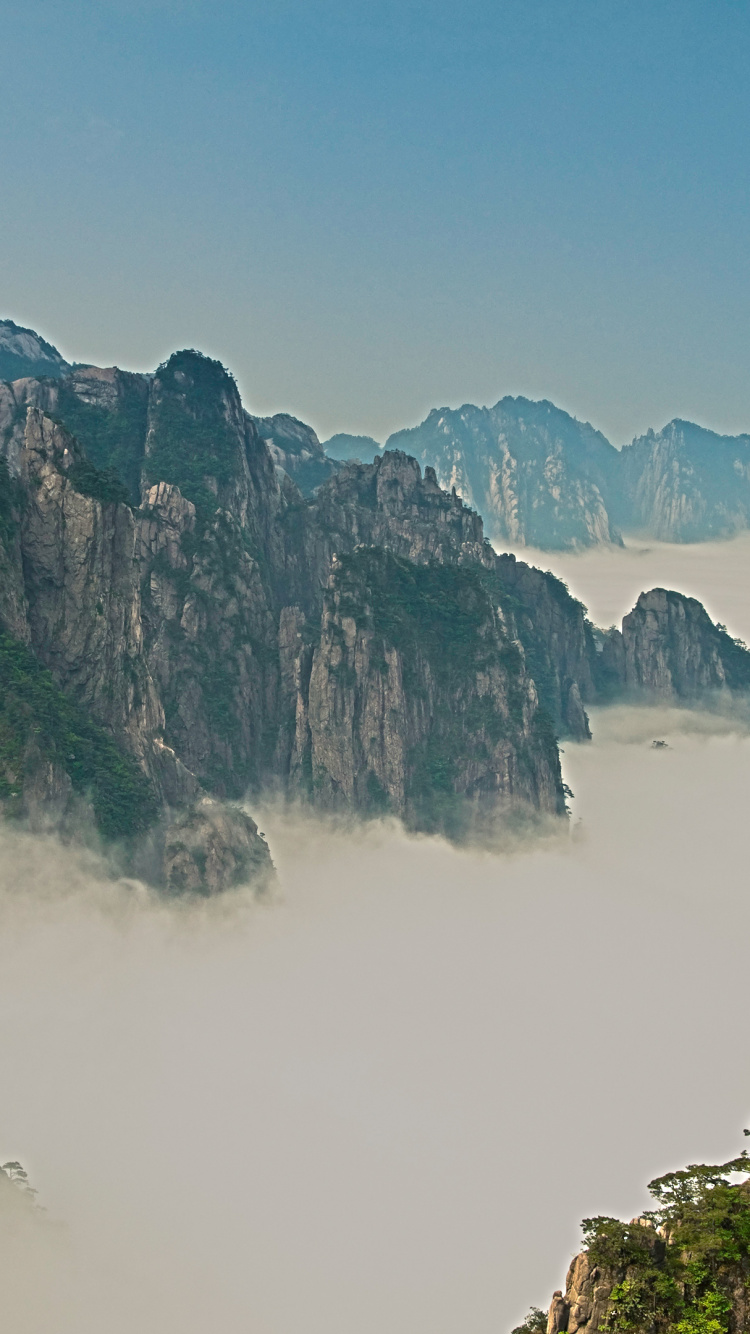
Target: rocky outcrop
x: 296, y: 448
x: 23, y: 352
x: 586, y: 1301
x: 343, y: 447
x: 670, y: 649
x: 214, y: 847
x: 76, y: 609
x: 685, y: 484
x: 418, y: 702
x: 558, y: 642
x: 538, y: 476
x: 683, y: 1266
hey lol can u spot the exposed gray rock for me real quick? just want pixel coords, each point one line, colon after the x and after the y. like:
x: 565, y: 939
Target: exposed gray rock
x: 425, y: 713
x: 670, y: 649
x: 214, y: 847
x: 23, y: 353
x: 538, y: 476
x: 684, y: 484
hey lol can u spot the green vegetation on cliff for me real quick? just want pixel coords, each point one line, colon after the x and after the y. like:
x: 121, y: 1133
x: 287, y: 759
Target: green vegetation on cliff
x: 113, y: 440
x: 38, y: 721
x: 440, y: 611
x: 681, y: 1272
x: 191, y: 438
x: 11, y: 499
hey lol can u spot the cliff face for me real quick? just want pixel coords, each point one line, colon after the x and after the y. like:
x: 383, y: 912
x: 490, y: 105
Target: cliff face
x: 209, y: 633
x: 685, y: 484
x: 670, y: 649
x: 418, y: 701
x: 538, y: 476
x: 686, y: 1266
x: 215, y: 633
x: 72, y: 604
x: 23, y: 352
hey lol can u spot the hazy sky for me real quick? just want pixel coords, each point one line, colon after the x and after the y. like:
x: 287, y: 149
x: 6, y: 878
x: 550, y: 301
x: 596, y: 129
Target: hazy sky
x: 370, y: 209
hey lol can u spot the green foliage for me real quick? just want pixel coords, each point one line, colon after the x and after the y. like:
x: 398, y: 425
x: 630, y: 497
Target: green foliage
x: 678, y: 1279
x: 534, y: 1323
x: 191, y: 438
x: 34, y: 710
x: 112, y: 439
x: 103, y: 485
x: 442, y: 616
x: 436, y: 610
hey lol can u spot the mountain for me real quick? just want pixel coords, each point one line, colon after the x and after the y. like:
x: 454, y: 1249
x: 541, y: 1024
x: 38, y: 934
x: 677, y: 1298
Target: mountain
x: 669, y: 649
x: 295, y: 448
x: 182, y: 630
x: 23, y: 352
x: 537, y: 476
x: 684, y: 484
x: 343, y: 447
x: 222, y: 634
x: 684, y: 1265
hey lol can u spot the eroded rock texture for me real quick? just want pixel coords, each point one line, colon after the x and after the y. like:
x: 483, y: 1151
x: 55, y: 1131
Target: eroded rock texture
x: 669, y: 649
x: 361, y: 646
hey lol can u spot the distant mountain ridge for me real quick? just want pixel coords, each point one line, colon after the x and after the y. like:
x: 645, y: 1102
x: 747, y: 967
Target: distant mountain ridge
x: 541, y: 478
x: 538, y: 476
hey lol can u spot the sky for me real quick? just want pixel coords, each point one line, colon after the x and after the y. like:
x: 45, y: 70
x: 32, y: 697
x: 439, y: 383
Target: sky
x: 368, y: 210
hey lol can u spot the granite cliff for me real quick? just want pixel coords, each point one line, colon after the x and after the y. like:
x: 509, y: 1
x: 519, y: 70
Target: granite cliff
x: 669, y: 649
x: 183, y: 629
x: 23, y: 352
x: 684, y: 1266
x: 684, y: 484
x: 217, y: 633
x: 537, y: 476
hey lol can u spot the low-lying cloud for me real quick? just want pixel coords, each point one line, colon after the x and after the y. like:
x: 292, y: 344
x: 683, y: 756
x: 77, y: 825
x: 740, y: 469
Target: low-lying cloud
x: 384, y: 1099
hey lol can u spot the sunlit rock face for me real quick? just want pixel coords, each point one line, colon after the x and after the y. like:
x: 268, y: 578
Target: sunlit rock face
x: 537, y: 476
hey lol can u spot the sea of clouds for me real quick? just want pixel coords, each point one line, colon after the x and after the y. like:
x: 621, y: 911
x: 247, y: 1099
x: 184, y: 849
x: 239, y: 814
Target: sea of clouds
x: 384, y: 1099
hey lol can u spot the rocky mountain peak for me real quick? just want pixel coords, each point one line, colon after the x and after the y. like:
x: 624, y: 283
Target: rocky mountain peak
x: 25, y: 353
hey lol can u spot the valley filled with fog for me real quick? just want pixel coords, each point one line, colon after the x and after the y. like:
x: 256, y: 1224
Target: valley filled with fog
x: 384, y: 1098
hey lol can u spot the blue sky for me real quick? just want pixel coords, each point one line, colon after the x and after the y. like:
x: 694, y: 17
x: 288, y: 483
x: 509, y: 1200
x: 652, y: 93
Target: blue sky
x: 367, y: 210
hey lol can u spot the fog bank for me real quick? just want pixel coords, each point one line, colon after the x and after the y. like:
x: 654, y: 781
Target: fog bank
x: 609, y: 580
x: 386, y: 1099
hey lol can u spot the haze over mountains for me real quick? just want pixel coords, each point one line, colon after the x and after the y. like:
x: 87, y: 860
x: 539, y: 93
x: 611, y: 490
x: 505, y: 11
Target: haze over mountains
x: 541, y: 478
x: 197, y: 604
x: 538, y: 476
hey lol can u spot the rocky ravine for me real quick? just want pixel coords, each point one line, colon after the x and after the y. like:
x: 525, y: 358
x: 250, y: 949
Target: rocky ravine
x: 183, y: 627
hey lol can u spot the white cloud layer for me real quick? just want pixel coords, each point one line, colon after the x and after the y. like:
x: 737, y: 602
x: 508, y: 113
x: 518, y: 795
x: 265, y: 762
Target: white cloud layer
x: 385, y: 1100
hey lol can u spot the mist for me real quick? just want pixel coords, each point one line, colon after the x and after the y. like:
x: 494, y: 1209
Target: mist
x: 385, y: 1098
